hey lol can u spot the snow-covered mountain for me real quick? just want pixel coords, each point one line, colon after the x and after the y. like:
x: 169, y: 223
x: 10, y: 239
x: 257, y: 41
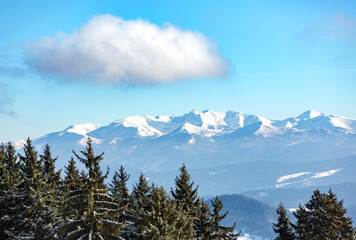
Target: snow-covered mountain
x: 227, y: 152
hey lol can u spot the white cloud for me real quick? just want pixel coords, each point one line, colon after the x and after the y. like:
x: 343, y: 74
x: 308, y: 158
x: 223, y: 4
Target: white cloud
x: 111, y: 50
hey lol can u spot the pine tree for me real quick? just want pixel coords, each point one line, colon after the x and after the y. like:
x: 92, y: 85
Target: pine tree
x: 49, y: 168
x: 160, y: 220
x: 70, y: 184
x: 118, y: 187
x: 10, y: 181
x: 283, y: 227
x: 35, y: 210
x: 4, y: 186
x: 89, y: 212
x: 185, y: 196
x: 219, y: 231
x: 204, y: 222
x: 120, y: 193
x: 71, y: 179
x: 139, y: 204
x: 323, y: 218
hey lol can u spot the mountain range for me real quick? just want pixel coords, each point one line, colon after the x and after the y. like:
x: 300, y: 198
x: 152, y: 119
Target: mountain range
x: 225, y: 152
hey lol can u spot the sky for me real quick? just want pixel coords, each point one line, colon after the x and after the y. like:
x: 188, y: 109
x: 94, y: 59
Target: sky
x: 69, y: 62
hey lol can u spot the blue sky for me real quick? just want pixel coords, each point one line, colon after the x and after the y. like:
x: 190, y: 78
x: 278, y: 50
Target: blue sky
x: 271, y: 58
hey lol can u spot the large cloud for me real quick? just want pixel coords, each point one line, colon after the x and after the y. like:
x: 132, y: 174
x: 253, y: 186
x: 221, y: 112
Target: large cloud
x: 110, y: 50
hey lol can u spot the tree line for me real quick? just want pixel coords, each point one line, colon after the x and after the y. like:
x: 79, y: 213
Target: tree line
x: 37, y: 203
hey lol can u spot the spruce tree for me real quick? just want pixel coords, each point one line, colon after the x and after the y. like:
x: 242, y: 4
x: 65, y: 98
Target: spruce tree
x: 71, y: 179
x: 4, y: 187
x: 160, y: 220
x: 118, y: 187
x: 10, y: 181
x: 283, y: 227
x: 185, y: 196
x: 69, y: 187
x: 204, y: 222
x: 36, y: 210
x: 219, y: 231
x: 323, y: 217
x: 139, y: 204
x: 120, y: 193
x: 49, y: 168
x: 89, y: 212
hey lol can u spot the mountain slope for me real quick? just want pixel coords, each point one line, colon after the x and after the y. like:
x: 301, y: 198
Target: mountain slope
x: 250, y: 215
x: 226, y: 151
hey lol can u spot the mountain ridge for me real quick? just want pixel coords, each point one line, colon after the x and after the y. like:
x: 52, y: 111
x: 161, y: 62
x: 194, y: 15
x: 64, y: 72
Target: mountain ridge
x: 222, y: 143
x: 208, y: 123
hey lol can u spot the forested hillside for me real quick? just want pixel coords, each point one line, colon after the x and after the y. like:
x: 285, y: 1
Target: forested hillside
x: 37, y: 203
x: 252, y: 216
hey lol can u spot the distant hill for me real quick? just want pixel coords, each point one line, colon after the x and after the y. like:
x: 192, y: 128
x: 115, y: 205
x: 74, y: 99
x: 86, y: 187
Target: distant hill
x: 250, y: 215
x: 291, y: 197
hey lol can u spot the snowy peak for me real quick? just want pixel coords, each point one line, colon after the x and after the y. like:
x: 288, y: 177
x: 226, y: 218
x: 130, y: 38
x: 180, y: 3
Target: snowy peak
x: 139, y: 123
x: 207, y: 124
x: 134, y: 126
x: 315, y: 120
x: 309, y: 114
x: 82, y: 129
x: 236, y: 120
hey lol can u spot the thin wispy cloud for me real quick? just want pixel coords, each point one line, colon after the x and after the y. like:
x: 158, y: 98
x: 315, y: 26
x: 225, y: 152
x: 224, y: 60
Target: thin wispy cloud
x: 5, y: 101
x: 339, y: 27
x: 295, y: 73
x: 110, y: 50
x: 11, y: 67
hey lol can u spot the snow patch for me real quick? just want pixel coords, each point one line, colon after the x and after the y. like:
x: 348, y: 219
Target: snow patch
x: 341, y: 123
x: 247, y: 236
x: 196, y: 130
x: 114, y: 141
x: 291, y: 176
x: 326, y: 174
x: 267, y: 130
x: 218, y: 172
x: 309, y: 114
x: 305, y: 181
x: 84, y: 140
x: 82, y: 129
x: 18, y: 144
x: 289, y: 125
x: 165, y: 119
x: 143, y: 129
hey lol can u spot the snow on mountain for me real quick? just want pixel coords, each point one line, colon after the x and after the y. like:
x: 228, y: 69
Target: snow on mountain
x: 134, y: 126
x: 326, y: 174
x: 237, y: 120
x: 312, y: 119
x: 81, y: 129
x: 235, y: 147
x: 304, y: 177
x: 309, y: 114
x: 291, y: 176
x: 209, y: 124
